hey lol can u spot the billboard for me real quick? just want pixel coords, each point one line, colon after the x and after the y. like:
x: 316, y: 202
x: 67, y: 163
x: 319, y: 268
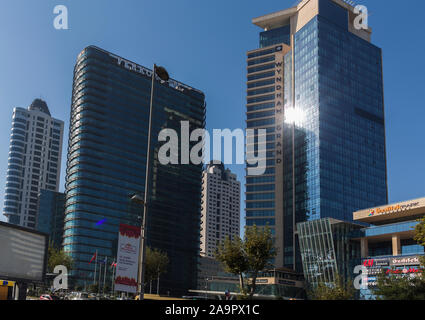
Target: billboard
x: 23, y: 254
x: 398, y: 261
x: 127, y: 259
x: 400, y: 265
x: 405, y: 261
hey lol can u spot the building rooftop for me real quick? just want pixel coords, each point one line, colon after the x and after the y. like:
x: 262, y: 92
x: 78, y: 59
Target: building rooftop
x: 171, y: 82
x: 275, y: 19
x: 283, y: 17
x: 40, y: 105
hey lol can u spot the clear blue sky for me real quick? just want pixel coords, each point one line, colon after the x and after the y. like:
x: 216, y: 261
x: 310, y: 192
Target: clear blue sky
x: 202, y: 43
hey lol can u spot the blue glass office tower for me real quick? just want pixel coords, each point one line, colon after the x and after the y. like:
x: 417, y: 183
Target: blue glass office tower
x: 50, y: 218
x: 316, y: 85
x: 106, y: 166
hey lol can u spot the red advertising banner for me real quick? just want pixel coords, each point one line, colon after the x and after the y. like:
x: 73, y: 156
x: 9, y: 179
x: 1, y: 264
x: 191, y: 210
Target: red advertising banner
x: 127, y: 259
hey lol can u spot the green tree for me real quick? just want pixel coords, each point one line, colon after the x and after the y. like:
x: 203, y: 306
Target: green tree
x: 246, y: 258
x: 400, y: 287
x: 58, y: 257
x: 156, y: 264
x: 259, y: 249
x: 338, y: 290
x: 231, y: 254
x: 420, y: 235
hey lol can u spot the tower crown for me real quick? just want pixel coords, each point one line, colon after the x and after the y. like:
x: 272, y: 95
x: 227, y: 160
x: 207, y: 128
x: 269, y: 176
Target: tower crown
x: 39, y: 105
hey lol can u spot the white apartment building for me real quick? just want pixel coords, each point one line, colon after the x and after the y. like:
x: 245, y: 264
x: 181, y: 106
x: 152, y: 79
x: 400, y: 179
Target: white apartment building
x: 220, y: 207
x: 34, y: 161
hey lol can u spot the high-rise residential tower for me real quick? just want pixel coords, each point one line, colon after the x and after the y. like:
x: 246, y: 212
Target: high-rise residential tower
x: 34, y: 161
x: 220, y: 207
x: 315, y: 84
x: 107, y: 161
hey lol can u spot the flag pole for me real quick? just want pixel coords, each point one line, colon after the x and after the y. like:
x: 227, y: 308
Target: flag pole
x: 100, y: 276
x: 95, y: 267
x: 114, y: 267
x: 104, y: 275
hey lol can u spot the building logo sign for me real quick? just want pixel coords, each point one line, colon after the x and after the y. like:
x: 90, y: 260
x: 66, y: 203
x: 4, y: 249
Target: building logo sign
x: 403, y: 271
x: 145, y: 71
x: 381, y: 262
x: 279, y: 106
x: 393, y: 208
x: 376, y: 262
x: 387, y: 209
x: 262, y: 281
x: 128, y: 248
x: 405, y: 261
x: 395, y: 262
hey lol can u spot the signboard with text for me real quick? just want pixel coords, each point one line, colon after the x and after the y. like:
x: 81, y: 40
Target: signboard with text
x: 23, y: 254
x: 405, y: 261
x: 411, y: 208
x: 127, y: 259
x: 400, y: 265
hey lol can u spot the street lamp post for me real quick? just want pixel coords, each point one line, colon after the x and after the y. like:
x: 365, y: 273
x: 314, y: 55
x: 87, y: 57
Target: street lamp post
x: 163, y: 75
x: 293, y: 197
x: 206, y: 287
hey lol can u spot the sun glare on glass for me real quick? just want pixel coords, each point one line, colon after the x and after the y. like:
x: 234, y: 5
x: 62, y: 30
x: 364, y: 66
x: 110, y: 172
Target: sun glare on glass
x: 294, y: 115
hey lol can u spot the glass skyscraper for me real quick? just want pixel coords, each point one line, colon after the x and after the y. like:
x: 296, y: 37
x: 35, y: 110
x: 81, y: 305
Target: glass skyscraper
x: 315, y: 84
x: 106, y: 166
x: 51, y: 209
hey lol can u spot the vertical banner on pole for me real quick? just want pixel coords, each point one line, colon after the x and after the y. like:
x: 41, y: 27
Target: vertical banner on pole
x: 127, y: 259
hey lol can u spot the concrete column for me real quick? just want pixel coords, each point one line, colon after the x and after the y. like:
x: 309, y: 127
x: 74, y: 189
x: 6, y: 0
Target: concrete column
x: 364, y: 247
x: 21, y: 291
x: 396, y: 245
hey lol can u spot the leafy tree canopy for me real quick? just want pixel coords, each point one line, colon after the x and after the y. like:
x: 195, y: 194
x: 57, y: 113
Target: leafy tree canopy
x: 247, y: 257
x: 58, y: 257
x: 156, y: 263
x: 338, y: 290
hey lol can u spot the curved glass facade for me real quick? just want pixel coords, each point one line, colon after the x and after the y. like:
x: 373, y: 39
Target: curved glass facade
x: 14, y: 177
x: 106, y: 165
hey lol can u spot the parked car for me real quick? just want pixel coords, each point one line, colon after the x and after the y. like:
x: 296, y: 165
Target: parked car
x: 49, y: 297
x: 81, y: 296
